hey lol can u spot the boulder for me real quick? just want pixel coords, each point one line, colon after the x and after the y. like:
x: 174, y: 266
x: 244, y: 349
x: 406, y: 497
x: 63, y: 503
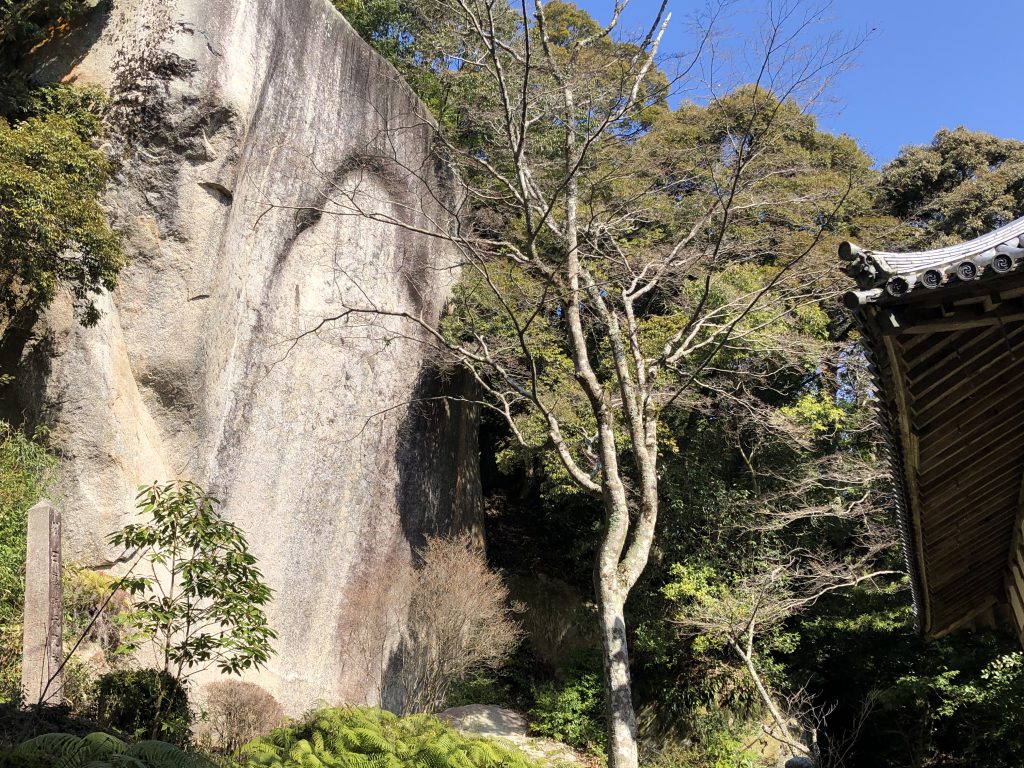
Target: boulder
x: 238, y: 126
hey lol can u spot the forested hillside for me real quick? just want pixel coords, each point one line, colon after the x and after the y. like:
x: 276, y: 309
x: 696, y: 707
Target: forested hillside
x: 689, y: 555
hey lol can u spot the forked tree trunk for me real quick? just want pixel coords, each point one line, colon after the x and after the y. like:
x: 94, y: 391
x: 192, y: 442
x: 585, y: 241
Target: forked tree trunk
x: 621, y: 719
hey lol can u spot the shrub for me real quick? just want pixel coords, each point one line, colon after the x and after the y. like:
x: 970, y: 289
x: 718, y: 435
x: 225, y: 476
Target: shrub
x: 236, y: 712
x: 571, y: 712
x: 419, y: 631
x: 137, y: 702
x: 479, y: 688
x: 51, y: 180
x: 18, y: 723
x: 93, y: 607
x: 459, y: 623
x: 210, y: 614
x: 97, y: 750
x: 725, y: 750
x: 24, y: 468
x: 342, y: 736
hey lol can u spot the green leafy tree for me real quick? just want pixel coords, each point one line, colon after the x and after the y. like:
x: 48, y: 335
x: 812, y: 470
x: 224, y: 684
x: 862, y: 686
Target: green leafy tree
x: 53, y: 230
x: 202, y: 602
x: 962, y: 185
x: 130, y: 701
x: 390, y: 26
x: 416, y: 37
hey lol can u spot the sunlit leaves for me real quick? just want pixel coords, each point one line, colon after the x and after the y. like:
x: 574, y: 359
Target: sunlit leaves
x: 203, y: 601
x: 52, y: 227
x: 962, y: 185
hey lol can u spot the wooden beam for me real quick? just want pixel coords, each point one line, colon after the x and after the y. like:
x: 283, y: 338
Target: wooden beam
x: 1015, y: 560
x: 909, y: 444
x: 912, y: 324
x: 986, y: 605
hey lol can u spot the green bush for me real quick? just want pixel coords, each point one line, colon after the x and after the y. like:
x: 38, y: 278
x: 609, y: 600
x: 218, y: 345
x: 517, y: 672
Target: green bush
x: 144, y: 702
x: 24, y: 468
x: 97, y: 750
x: 480, y: 688
x: 51, y: 179
x: 723, y: 750
x: 571, y: 712
x: 372, y: 738
x: 18, y: 724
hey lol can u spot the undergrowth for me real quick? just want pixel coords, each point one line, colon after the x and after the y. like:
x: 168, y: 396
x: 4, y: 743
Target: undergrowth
x: 372, y: 738
x: 97, y: 750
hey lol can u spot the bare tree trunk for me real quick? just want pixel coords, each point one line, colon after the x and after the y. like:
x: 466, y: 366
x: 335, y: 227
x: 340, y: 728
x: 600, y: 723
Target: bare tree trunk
x: 622, y: 745
x: 795, y: 747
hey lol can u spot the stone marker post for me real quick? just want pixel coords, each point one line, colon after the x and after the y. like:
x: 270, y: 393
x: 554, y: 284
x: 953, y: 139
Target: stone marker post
x: 44, y: 607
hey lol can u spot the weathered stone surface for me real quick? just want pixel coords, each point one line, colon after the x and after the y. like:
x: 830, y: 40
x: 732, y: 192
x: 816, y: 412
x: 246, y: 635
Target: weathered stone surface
x: 509, y: 726
x: 42, y: 625
x: 238, y: 120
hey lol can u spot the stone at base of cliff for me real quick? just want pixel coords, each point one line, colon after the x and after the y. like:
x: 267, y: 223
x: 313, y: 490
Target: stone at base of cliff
x: 511, y: 726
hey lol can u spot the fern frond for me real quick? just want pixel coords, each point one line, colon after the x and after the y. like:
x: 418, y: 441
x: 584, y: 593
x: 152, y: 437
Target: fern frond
x: 160, y: 754
x: 361, y: 737
x: 53, y: 745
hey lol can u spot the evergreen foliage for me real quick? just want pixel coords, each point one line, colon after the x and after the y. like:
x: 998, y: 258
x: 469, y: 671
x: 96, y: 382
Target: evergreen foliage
x: 129, y: 701
x: 571, y: 711
x: 951, y: 702
x: 372, y: 738
x: 962, y: 185
x: 53, y: 231
x: 52, y: 228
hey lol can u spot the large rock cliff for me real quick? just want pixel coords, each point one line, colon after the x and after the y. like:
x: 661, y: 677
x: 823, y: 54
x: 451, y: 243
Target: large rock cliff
x: 237, y: 122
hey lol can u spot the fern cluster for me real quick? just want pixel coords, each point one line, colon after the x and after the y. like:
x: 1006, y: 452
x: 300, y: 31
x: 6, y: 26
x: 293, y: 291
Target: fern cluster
x: 97, y: 750
x: 373, y: 738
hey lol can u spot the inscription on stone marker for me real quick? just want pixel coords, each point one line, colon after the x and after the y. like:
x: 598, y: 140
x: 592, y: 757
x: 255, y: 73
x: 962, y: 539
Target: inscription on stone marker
x: 42, y: 646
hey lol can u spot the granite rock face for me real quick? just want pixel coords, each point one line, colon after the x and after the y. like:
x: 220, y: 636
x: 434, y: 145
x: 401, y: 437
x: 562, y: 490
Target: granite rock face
x: 241, y: 122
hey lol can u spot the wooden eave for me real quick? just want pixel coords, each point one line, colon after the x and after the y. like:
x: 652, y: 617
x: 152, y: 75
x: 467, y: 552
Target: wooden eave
x: 949, y: 364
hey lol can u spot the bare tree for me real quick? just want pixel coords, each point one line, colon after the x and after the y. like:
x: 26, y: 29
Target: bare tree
x: 741, y: 611
x: 459, y: 622
x: 603, y: 271
x: 418, y: 630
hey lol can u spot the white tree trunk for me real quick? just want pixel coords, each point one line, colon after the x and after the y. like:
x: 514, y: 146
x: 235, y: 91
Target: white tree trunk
x: 622, y: 745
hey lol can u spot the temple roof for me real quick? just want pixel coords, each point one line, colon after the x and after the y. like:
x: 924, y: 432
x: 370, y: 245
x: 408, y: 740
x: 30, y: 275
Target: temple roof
x: 881, y: 274
x: 944, y: 330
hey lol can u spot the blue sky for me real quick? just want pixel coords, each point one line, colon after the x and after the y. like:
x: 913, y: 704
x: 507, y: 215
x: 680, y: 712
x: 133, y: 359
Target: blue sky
x: 928, y: 64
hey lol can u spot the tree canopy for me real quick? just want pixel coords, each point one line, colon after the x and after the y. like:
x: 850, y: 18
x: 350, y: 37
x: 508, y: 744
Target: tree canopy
x: 962, y: 185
